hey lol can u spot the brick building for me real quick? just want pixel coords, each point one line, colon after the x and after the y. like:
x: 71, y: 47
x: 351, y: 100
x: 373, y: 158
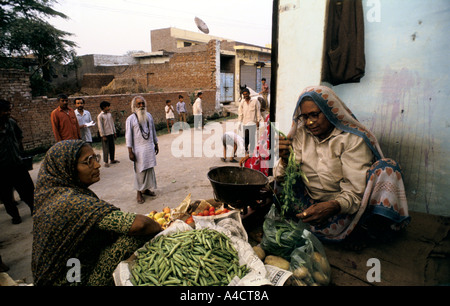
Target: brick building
x: 33, y: 115
x: 180, y: 60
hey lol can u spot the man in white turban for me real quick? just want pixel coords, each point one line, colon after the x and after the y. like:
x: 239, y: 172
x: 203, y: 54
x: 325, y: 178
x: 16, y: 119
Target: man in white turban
x: 142, y: 143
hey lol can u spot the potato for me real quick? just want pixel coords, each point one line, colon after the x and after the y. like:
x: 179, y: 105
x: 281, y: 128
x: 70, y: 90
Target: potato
x: 320, y: 278
x: 322, y: 262
x: 301, y: 272
x: 277, y: 262
x: 259, y: 252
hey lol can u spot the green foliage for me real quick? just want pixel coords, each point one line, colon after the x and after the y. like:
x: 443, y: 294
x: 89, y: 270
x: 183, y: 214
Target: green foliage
x: 293, y: 173
x: 39, y: 87
x: 30, y: 40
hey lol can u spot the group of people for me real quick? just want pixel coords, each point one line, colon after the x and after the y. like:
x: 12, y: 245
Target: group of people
x: 181, y: 110
x: 68, y: 123
x: 350, y: 188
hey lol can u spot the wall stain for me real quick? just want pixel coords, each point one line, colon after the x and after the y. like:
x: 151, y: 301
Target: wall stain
x: 403, y: 125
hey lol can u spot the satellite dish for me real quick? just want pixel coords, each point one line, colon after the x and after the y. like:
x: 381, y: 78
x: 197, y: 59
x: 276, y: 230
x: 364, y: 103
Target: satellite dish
x: 201, y: 25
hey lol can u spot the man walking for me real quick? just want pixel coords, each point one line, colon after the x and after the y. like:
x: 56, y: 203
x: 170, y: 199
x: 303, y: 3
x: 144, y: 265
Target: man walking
x: 142, y: 143
x: 13, y: 173
x: 249, y: 116
x: 64, y: 121
x: 84, y: 118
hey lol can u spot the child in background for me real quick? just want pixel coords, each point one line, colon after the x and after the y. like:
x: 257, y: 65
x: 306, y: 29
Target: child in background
x: 181, y: 109
x: 170, y: 114
x: 107, y: 132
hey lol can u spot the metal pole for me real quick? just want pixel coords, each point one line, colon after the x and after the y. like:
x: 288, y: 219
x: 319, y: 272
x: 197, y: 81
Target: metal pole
x: 273, y: 78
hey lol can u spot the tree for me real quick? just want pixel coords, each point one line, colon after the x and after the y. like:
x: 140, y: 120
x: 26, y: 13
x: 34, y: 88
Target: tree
x: 24, y: 32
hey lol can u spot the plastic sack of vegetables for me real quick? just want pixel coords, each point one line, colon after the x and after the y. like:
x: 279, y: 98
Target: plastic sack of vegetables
x: 281, y: 236
x: 309, y: 263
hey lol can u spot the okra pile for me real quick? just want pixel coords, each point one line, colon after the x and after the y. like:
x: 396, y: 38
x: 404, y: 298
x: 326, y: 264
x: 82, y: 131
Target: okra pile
x: 192, y: 258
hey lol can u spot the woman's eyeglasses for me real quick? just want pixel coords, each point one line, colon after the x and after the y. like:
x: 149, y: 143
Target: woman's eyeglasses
x: 90, y: 160
x: 311, y: 116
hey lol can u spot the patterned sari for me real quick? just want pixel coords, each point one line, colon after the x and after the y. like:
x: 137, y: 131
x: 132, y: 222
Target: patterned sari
x: 384, y: 194
x: 260, y: 159
x: 70, y: 221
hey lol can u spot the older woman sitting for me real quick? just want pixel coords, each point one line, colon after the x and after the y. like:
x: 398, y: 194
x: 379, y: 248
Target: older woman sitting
x: 71, y: 222
x: 349, y: 182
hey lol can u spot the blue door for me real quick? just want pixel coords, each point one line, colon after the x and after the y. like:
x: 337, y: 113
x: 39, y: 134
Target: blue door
x: 226, y: 87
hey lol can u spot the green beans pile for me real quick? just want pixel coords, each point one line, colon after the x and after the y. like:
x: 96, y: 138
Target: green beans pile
x: 192, y: 258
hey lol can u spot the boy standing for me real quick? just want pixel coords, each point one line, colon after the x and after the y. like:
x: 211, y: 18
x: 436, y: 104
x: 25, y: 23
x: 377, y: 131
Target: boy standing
x: 107, y: 132
x: 181, y: 109
x: 170, y: 116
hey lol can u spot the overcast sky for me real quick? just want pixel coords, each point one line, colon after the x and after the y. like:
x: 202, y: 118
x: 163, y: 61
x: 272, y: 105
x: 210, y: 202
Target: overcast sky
x: 115, y: 27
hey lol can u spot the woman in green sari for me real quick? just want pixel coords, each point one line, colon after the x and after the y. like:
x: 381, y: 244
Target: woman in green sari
x: 72, y: 225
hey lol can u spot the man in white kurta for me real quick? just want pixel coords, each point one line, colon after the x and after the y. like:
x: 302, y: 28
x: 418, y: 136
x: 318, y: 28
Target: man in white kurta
x: 142, y: 143
x: 197, y: 111
x: 84, y: 119
x: 249, y: 116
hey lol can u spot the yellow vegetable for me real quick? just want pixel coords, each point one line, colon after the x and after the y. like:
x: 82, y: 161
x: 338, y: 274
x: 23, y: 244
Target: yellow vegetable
x: 322, y: 262
x: 301, y: 272
x: 277, y: 262
x: 320, y: 278
x: 161, y: 221
x: 159, y: 215
x: 259, y: 252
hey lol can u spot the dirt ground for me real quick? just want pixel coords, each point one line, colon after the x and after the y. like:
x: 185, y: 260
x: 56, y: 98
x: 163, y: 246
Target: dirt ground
x: 176, y: 176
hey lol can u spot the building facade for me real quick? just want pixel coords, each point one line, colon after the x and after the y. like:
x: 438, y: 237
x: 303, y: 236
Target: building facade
x: 180, y: 60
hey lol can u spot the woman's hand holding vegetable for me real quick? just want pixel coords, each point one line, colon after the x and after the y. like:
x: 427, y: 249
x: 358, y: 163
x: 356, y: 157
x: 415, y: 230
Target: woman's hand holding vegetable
x: 283, y: 148
x: 319, y: 213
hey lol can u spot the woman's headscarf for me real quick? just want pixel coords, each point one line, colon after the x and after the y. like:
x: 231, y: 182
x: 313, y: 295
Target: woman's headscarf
x: 338, y: 114
x: 65, y: 211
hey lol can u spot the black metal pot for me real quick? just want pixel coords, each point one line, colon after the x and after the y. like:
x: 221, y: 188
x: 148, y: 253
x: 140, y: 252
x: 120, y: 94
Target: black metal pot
x: 237, y: 186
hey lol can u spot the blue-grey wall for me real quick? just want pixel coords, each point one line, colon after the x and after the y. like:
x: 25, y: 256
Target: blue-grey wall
x: 404, y: 95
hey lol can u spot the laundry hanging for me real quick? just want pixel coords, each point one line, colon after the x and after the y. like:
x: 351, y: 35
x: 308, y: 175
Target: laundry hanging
x: 344, y: 60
